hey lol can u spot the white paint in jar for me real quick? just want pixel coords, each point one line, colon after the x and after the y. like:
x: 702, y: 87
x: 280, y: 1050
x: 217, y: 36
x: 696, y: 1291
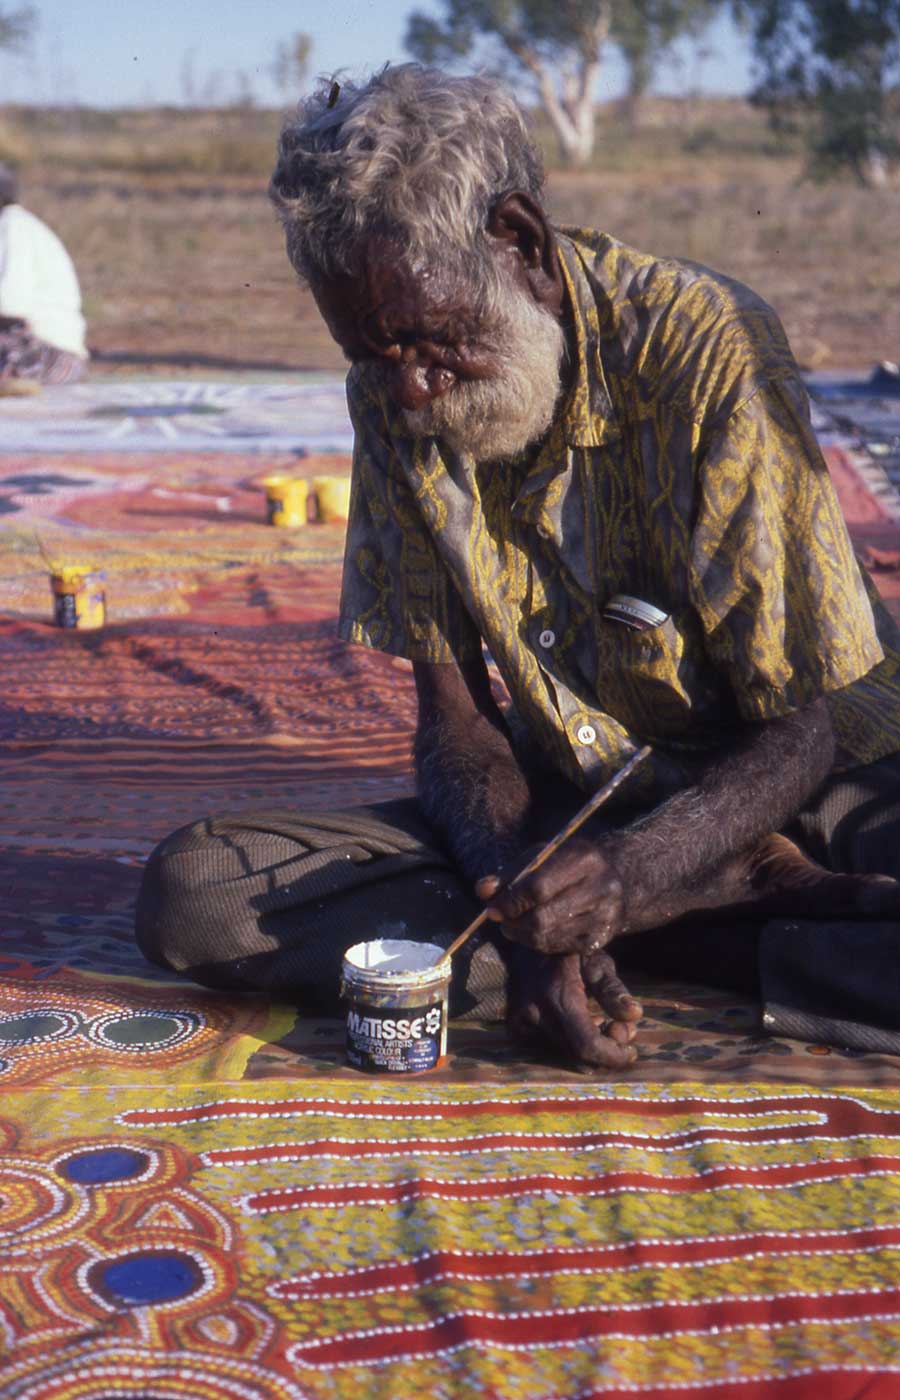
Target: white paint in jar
x: 396, y: 996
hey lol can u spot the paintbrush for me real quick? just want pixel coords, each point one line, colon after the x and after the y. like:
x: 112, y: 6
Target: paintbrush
x: 43, y: 553
x: 581, y: 816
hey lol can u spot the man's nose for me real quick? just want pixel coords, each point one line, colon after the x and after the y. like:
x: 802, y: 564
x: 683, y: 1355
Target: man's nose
x: 415, y: 380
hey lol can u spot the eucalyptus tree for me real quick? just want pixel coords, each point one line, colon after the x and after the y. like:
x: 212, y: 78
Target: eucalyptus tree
x: 16, y: 26
x: 832, y: 69
x: 560, y: 46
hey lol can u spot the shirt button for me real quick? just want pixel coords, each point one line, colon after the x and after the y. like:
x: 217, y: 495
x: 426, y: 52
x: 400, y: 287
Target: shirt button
x: 547, y: 638
x: 586, y: 734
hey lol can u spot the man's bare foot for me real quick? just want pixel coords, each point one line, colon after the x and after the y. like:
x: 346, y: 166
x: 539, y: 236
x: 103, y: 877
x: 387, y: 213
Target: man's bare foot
x: 778, y: 878
x: 783, y: 880
x: 551, y: 1001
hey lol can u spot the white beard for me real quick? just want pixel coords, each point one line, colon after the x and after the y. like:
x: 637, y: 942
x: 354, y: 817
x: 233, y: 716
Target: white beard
x: 495, y: 419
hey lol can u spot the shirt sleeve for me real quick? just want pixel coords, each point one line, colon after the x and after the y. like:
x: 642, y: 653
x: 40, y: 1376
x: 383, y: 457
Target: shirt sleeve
x: 396, y: 595
x: 774, y: 579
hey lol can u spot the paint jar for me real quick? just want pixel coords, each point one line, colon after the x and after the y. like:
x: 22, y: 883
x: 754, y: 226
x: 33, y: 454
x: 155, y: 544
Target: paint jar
x: 79, y: 598
x: 286, y: 500
x: 396, y: 996
x: 332, y: 495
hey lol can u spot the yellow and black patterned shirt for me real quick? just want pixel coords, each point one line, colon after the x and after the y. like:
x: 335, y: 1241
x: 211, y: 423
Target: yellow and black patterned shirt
x: 681, y: 470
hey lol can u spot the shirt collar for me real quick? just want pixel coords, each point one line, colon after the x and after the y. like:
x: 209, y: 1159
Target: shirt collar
x: 588, y: 419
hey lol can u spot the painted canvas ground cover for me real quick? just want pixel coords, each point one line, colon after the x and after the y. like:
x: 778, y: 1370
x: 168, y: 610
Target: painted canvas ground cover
x: 507, y: 1242
x: 198, y: 1199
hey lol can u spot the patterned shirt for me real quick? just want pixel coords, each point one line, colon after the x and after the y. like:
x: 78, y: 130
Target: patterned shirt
x: 681, y: 470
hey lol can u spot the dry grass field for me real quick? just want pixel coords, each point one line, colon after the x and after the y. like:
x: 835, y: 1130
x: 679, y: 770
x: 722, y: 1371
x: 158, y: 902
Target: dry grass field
x: 181, y: 263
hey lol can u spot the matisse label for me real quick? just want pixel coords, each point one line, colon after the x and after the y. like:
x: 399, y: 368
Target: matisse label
x: 395, y: 1040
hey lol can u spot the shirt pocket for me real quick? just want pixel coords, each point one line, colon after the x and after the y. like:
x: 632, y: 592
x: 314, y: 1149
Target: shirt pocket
x: 647, y: 680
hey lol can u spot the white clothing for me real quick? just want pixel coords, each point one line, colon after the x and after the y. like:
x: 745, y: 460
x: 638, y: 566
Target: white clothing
x: 38, y: 282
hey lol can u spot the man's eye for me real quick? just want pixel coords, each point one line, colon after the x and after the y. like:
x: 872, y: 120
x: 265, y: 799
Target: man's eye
x: 430, y: 335
x: 356, y: 354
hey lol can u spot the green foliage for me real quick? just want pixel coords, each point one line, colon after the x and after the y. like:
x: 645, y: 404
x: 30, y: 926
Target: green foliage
x: 644, y: 29
x: 16, y: 27
x: 830, y: 68
x: 550, y: 28
x: 558, y: 45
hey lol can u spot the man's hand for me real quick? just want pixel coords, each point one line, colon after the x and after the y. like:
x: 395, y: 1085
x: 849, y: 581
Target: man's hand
x: 575, y: 902
x: 704, y: 848
x: 548, y: 999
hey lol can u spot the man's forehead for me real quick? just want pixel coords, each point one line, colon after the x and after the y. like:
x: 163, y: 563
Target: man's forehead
x: 388, y: 270
x: 385, y: 281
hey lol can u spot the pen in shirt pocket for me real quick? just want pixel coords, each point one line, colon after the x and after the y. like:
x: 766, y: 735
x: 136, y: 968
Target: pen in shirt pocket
x: 635, y: 613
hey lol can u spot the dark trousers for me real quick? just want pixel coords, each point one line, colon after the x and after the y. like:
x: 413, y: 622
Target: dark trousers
x: 269, y: 901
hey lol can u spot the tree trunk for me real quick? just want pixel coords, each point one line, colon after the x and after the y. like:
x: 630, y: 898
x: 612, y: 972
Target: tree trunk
x: 572, y: 114
x: 639, y: 75
x: 873, y: 169
x: 575, y: 140
x: 571, y: 111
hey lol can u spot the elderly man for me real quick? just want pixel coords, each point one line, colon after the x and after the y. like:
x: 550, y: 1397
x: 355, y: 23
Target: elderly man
x: 597, y: 466
x: 41, y: 325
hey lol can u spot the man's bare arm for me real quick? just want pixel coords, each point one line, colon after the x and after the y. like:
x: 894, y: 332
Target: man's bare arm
x: 691, y: 850
x: 690, y: 853
x: 474, y: 793
x: 470, y: 785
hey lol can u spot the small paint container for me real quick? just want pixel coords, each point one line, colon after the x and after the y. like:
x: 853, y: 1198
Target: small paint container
x: 332, y: 495
x: 286, y: 500
x: 79, y: 598
x: 396, y: 997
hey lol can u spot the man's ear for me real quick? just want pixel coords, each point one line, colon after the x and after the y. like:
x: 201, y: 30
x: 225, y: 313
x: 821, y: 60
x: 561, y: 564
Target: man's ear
x: 519, y: 223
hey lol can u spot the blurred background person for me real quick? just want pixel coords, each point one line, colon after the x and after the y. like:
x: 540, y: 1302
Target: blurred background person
x: 41, y: 325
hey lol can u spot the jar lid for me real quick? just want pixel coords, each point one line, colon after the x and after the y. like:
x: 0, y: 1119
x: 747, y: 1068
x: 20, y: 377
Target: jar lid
x: 396, y: 962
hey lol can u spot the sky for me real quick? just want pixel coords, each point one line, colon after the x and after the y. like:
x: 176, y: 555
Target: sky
x: 108, y: 53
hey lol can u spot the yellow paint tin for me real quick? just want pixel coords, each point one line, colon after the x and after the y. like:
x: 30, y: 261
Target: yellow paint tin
x: 286, y: 500
x: 79, y: 598
x: 332, y: 495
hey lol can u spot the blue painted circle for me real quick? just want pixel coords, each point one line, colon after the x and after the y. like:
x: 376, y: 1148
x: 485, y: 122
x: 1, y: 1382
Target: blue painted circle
x: 142, y: 1030
x: 104, y: 1164
x: 144, y: 1279
x: 32, y: 1025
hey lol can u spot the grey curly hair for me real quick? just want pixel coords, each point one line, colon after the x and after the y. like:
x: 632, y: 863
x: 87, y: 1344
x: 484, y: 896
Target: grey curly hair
x: 413, y: 154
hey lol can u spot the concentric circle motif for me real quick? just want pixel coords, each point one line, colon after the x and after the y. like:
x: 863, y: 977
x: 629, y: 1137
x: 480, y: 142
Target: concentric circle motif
x: 32, y: 1204
x: 108, y: 1165
x: 147, y: 1278
x: 143, y: 1032
x: 121, y: 1371
x: 37, y: 1025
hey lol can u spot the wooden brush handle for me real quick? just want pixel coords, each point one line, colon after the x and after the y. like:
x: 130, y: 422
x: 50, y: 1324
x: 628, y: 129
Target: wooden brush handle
x: 581, y: 816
